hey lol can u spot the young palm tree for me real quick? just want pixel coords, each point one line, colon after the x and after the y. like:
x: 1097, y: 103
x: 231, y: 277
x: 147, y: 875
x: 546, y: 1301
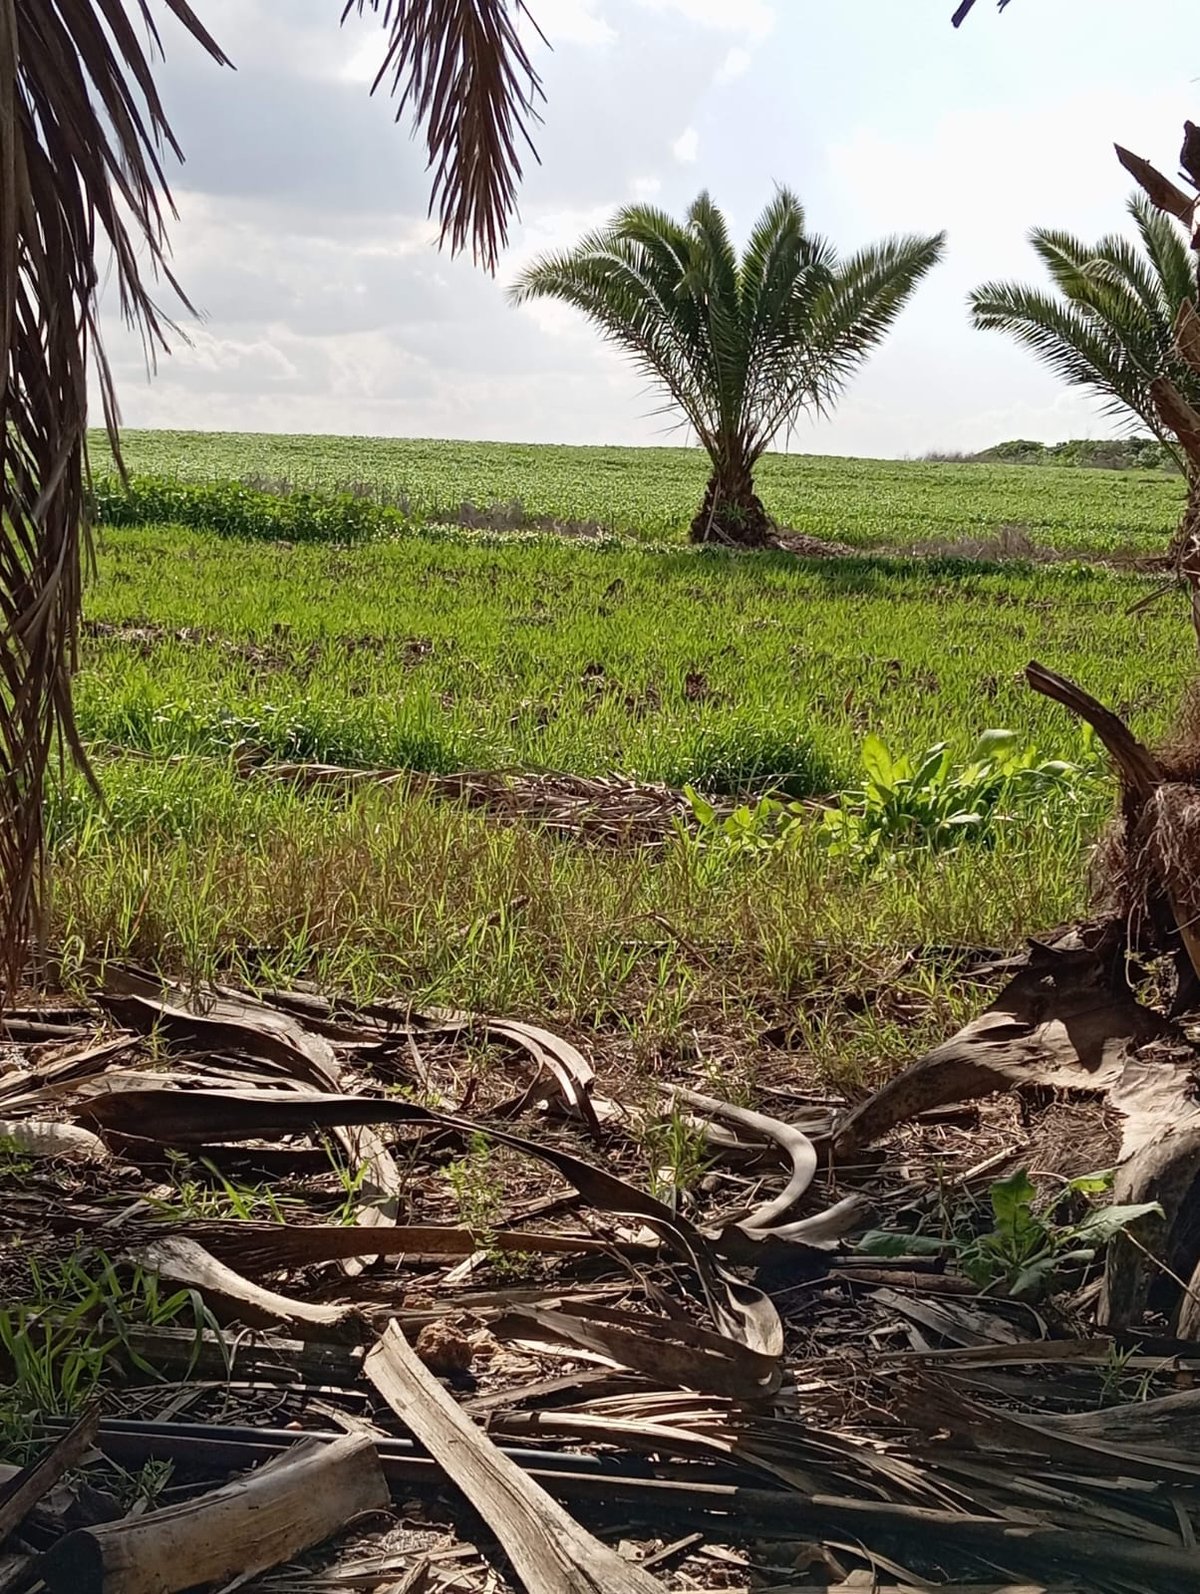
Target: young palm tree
x: 741, y: 347
x: 82, y: 135
x: 1110, y: 328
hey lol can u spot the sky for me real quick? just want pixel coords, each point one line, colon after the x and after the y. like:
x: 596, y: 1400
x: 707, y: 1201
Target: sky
x: 303, y: 238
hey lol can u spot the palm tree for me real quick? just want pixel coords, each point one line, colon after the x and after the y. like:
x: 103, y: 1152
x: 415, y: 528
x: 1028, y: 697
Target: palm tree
x: 740, y: 347
x: 1111, y: 326
x: 82, y: 139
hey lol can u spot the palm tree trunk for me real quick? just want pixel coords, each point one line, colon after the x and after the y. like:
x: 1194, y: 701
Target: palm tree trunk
x: 732, y: 512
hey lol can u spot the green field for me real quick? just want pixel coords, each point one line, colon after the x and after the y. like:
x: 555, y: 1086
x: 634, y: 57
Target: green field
x: 664, y: 663
x: 654, y: 492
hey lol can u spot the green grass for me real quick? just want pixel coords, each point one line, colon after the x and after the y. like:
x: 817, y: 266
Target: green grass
x: 653, y: 493
x: 711, y: 669
x: 448, y: 650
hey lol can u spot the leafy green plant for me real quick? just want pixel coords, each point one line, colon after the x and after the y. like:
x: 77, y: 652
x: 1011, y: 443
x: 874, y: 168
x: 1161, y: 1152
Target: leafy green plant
x: 1027, y: 1249
x: 933, y: 803
x: 758, y: 829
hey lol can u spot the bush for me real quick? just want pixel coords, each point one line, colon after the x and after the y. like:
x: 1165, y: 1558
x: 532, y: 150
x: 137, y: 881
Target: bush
x: 231, y: 509
x: 933, y: 803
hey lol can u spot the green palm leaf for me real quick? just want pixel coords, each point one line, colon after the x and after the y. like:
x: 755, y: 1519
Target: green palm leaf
x: 1110, y: 328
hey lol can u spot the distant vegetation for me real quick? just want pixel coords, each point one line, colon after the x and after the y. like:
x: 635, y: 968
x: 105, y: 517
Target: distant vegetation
x: 364, y: 489
x: 1086, y: 453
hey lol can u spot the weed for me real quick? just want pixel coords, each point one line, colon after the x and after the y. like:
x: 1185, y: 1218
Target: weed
x: 350, y: 1180
x: 1028, y: 1250
x: 74, y: 1328
x: 677, y: 1154
x: 218, y: 1198
x: 477, y: 1188
x: 933, y: 803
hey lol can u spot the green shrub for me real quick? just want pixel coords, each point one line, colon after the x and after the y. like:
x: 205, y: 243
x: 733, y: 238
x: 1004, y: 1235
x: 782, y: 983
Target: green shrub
x: 933, y: 803
x: 231, y: 509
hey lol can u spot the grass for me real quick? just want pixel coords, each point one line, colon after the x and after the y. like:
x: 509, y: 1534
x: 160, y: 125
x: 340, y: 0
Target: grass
x: 687, y: 666
x: 653, y: 493
x: 664, y: 663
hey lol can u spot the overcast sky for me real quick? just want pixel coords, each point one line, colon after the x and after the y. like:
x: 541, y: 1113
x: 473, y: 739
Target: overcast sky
x: 326, y: 308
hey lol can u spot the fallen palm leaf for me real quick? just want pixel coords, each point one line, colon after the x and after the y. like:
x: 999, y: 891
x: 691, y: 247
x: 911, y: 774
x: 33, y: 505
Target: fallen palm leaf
x: 606, y: 808
x: 183, y: 1261
x: 1059, y: 1024
x: 549, y: 1551
x: 675, y: 1352
x: 189, y: 1118
x: 34, y: 1137
x: 277, y: 1246
x: 215, y: 1022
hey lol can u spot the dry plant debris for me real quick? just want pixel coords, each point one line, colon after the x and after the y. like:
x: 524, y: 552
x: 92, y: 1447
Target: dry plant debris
x: 723, y: 1388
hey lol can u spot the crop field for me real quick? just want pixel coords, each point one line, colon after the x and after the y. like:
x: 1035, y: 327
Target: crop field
x: 208, y: 657
x: 653, y: 493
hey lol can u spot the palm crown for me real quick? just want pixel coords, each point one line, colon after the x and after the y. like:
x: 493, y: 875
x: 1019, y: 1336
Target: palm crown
x: 741, y: 347
x: 1110, y: 328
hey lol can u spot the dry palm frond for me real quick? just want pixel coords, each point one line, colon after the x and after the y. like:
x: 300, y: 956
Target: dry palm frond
x: 462, y: 67
x: 81, y: 135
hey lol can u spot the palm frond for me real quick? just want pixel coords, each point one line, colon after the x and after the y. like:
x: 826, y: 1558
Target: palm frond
x: 1166, y: 246
x: 853, y: 314
x: 1074, y: 344
x: 1111, y: 328
x: 463, y: 69
x: 82, y: 132
x: 622, y: 285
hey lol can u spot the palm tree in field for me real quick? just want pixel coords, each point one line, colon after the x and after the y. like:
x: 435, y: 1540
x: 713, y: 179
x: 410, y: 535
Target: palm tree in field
x: 1110, y: 326
x: 82, y: 140
x: 740, y: 347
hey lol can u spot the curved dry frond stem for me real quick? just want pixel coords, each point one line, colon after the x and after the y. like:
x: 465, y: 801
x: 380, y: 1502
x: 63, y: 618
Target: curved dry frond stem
x: 81, y: 136
x: 463, y: 68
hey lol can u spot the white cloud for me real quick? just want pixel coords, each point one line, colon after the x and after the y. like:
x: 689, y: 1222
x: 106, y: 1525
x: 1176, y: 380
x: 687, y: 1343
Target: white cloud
x: 687, y: 146
x: 573, y: 22
x: 736, y: 64
x: 755, y: 18
x: 646, y: 187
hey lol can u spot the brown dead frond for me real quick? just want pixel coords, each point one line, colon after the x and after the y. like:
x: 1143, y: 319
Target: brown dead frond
x: 462, y: 67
